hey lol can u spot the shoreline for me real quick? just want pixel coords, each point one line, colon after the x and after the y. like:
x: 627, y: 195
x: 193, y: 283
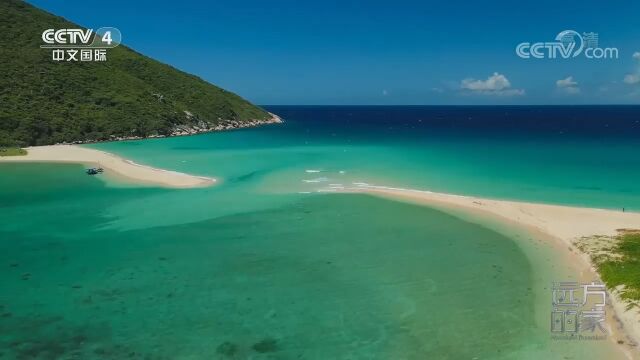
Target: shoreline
x: 69, y: 152
x: 121, y: 167
x: 562, y: 224
x: 189, y: 130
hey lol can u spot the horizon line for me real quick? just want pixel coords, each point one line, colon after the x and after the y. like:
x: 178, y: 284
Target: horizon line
x: 452, y: 105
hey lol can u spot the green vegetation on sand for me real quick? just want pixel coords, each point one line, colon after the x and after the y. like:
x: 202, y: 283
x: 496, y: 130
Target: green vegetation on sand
x: 46, y: 102
x: 623, y: 266
x: 617, y: 260
x: 12, y: 151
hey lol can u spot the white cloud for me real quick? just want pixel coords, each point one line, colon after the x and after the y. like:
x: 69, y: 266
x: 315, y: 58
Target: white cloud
x: 510, y: 92
x: 567, y: 82
x: 634, y: 78
x: 496, y: 84
x: 568, y: 85
x: 493, y: 82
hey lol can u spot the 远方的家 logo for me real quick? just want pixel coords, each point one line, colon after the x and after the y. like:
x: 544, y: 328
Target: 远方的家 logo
x: 578, y: 311
x: 73, y: 45
x: 568, y: 44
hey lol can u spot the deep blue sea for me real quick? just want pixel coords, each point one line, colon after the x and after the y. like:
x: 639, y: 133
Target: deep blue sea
x: 575, y: 155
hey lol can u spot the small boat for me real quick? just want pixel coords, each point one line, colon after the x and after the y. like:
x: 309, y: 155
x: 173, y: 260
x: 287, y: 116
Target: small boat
x: 92, y: 171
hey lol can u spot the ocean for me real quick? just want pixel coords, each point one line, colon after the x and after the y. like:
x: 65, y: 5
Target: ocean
x: 270, y: 264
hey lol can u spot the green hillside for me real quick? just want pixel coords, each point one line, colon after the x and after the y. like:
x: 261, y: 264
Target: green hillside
x: 46, y: 102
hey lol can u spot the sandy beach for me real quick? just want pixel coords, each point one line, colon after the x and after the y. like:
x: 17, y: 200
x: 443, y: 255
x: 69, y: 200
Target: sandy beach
x: 565, y: 224
x: 113, y: 165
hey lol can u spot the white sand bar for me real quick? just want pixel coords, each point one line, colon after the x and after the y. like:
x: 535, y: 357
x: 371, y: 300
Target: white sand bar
x: 112, y: 164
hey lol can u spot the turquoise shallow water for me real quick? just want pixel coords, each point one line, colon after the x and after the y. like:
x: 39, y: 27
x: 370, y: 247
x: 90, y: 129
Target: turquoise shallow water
x: 575, y: 156
x: 338, y: 276
x: 262, y: 267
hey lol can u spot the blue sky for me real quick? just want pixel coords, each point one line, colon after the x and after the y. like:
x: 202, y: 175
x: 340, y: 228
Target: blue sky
x: 380, y: 52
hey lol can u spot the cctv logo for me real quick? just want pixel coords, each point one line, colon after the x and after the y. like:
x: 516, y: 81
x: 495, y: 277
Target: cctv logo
x: 71, y: 45
x: 105, y: 37
x: 67, y: 36
x: 568, y: 44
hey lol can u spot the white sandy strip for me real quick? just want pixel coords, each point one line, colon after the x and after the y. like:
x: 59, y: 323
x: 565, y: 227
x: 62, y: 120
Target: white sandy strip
x: 560, y: 222
x: 112, y: 164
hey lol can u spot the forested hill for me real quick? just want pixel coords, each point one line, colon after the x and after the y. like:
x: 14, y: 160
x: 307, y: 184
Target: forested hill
x: 129, y: 95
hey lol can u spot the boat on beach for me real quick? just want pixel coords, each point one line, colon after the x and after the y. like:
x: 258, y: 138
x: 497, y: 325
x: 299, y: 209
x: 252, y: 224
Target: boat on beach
x: 94, y: 171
